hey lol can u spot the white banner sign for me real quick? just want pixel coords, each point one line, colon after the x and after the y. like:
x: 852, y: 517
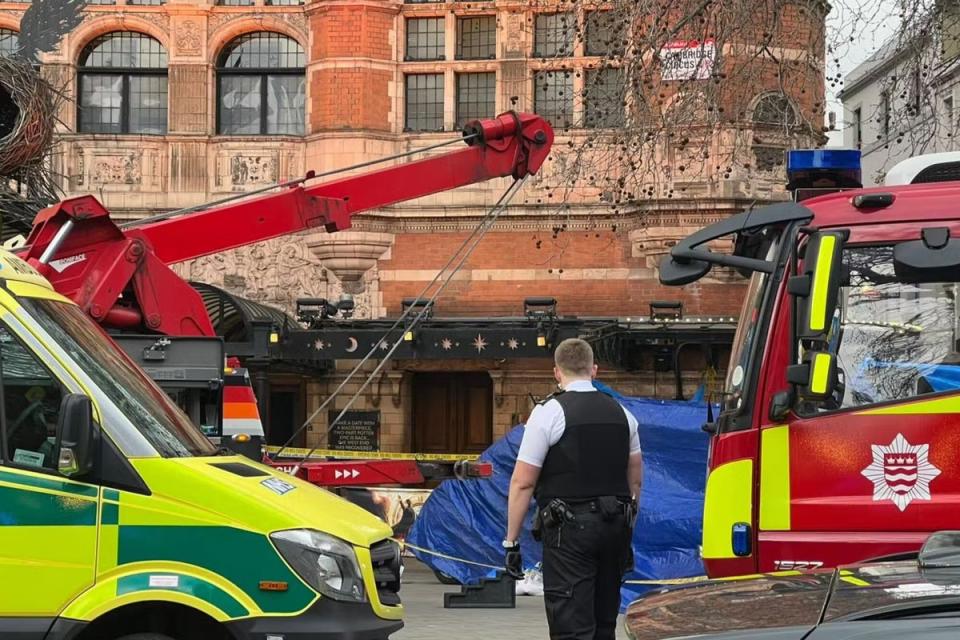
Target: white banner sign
x: 687, y: 60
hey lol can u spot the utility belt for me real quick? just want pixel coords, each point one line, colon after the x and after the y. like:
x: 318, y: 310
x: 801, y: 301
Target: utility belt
x: 558, y: 512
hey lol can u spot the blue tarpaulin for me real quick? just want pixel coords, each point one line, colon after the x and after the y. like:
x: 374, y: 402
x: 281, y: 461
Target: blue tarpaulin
x: 940, y: 377
x: 467, y: 518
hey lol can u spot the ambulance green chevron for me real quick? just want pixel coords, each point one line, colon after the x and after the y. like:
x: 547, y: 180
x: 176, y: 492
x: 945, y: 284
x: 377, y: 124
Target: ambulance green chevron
x: 118, y: 518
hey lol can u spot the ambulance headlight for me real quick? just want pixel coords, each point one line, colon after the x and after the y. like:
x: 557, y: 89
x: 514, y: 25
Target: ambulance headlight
x: 326, y: 563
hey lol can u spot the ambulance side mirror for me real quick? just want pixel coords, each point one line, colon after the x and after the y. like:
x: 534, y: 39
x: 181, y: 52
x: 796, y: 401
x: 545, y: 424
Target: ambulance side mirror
x: 815, y: 378
x: 817, y: 287
x: 77, y: 439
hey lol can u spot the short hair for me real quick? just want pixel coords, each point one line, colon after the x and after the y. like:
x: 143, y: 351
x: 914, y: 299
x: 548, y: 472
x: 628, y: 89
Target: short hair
x: 574, y: 356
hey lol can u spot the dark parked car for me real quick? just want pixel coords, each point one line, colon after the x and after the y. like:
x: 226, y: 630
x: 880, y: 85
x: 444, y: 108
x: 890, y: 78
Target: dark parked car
x: 893, y: 599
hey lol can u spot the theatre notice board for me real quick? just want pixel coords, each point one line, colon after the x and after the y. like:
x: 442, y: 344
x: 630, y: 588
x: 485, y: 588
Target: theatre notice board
x: 356, y: 431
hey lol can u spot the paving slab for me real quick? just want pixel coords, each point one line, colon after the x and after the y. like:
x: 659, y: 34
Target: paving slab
x: 426, y: 619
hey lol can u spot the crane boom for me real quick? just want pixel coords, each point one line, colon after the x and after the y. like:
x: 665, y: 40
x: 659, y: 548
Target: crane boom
x: 122, y: 277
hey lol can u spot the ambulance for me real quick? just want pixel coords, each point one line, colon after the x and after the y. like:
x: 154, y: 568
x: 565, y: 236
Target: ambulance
x: 120, y: 520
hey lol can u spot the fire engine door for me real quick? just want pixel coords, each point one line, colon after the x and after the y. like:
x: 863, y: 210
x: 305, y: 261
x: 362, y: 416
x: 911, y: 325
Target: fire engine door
x: 873, y: 466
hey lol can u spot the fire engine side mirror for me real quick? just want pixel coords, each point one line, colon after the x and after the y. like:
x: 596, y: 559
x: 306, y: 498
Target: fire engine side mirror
x: 816, y: 377
x: 676, y: 273
x: 816, y: 289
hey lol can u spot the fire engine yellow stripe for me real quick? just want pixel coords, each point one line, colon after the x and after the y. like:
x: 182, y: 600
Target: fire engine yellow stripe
x: 821, y: 283
x: 949, y: 404
x: 821, y: 373
x: 728, y: 500
x: 775, y: 479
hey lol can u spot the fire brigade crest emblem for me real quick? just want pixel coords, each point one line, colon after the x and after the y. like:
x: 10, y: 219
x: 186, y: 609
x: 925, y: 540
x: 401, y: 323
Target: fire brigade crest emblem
x: 900, y: 472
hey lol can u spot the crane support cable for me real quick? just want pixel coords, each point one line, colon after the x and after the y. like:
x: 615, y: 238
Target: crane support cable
x: 376, y: 346
x: 466, y: 249
x: 297, y: 181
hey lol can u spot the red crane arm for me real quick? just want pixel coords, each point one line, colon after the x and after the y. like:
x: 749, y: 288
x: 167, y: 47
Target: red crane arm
x: 122, y: 277
x: 512, y: 144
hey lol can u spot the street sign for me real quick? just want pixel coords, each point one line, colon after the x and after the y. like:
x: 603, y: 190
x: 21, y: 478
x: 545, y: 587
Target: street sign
x: 687, y: 59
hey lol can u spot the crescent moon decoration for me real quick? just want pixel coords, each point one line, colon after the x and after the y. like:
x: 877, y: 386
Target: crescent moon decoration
x: 353, y: 344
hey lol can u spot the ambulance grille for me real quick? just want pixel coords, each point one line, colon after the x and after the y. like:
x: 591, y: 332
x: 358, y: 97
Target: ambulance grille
x: 385, y: 556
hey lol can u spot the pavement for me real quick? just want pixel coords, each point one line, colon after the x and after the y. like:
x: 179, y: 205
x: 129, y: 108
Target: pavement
x: 426, y: 619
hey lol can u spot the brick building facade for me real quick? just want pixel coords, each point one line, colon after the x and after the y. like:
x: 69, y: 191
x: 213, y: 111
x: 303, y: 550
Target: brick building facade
x: 186, y: 101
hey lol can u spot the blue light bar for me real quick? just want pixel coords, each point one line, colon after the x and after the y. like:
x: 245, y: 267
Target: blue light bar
x: 823, y: 159
x: 822, y: 170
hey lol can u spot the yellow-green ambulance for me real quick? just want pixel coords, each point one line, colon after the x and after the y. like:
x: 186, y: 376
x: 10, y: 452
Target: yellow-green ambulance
x: 118, y: 519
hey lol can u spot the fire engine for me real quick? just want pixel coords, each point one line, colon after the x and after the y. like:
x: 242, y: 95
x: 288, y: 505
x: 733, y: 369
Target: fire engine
x: 837, y: 439
x: 120, y: 275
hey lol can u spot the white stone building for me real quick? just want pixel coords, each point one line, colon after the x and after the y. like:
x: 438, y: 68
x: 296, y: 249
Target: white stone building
x: 902, y: 102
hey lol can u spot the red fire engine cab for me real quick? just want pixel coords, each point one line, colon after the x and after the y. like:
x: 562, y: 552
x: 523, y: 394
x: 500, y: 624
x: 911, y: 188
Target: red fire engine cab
x: 838, y: 438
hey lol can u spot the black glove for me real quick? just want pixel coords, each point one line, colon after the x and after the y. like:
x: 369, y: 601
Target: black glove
x: 513, y: 562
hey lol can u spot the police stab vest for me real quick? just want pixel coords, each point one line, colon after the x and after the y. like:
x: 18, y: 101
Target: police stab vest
x: 590, y: 459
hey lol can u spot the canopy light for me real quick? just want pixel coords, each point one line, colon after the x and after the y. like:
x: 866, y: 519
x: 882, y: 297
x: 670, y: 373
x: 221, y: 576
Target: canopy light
x: 540, y: 308
x: 418, y: 305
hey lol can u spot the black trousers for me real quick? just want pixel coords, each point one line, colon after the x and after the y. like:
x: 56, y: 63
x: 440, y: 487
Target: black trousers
x: 584, y: 562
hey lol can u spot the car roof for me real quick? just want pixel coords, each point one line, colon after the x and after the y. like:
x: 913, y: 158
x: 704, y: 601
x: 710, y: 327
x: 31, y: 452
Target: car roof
x: 793, y: 600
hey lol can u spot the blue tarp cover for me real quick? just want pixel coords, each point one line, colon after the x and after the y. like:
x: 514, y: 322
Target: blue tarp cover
x: 467, y: 519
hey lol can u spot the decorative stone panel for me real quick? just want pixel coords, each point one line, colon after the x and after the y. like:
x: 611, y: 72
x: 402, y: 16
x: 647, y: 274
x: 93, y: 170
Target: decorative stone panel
x: 118, y: 167
x: 244, y: 166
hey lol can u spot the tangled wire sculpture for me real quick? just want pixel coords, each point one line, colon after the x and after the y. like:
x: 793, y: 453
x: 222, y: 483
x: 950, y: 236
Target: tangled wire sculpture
x: 28, y: 117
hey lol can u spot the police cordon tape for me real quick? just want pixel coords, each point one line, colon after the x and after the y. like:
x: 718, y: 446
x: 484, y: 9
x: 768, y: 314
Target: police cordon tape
x: 437, y: 554
x: 844, y: 574
x: 371, y: 455
x: 665, y: 581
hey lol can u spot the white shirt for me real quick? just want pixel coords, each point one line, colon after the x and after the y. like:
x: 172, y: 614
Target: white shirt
x: 547, y: 423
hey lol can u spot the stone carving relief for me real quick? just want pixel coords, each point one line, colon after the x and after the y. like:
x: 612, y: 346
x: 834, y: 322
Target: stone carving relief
x: 188, y: 37
x: 295, y: 20
x: 242, y: 168
x: 118, y: 169
x: 253, y: 170
x: 275, y: 273
x: 159, y: 19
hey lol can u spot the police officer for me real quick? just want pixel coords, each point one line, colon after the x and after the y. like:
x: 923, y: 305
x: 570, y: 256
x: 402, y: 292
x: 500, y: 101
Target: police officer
x: 580, y: 458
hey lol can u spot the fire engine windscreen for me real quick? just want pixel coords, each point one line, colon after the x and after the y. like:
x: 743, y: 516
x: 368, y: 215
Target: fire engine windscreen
x: 894, y: 340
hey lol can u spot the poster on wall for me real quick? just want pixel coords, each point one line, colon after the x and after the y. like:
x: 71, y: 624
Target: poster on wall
x: 399, y: 508
x: 687, y: 59
x: 356, y: 431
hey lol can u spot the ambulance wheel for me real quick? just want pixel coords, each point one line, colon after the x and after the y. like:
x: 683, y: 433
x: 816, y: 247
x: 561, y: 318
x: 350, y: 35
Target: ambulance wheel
x: 145, y: 636
x: 445, y: 579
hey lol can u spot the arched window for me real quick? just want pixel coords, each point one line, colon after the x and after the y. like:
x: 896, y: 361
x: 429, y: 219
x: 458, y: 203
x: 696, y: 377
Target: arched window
x: 123, y: 85
x: 775, y: 109
x: 9, y: 42
x: 261, y: 81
